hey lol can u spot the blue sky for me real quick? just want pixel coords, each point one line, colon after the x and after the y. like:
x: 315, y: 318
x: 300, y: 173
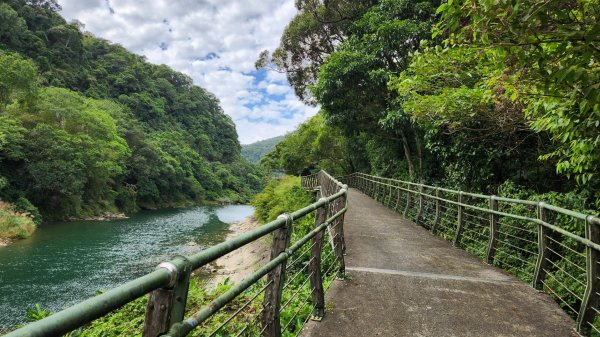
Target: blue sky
x: 216, y: 42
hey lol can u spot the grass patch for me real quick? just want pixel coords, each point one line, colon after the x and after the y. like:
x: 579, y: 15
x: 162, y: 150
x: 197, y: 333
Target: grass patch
x: 14, y: 224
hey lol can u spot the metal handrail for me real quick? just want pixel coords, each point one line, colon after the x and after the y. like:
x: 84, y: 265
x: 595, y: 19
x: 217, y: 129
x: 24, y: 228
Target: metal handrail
x: 558, y: 248
x: 565, y: 211
x: 172, y: 277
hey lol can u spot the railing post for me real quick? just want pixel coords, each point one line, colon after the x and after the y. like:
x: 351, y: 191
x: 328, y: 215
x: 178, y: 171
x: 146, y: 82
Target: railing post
x: 587, y: 314
x: 166, y: 306
x: 389, y: 202
x: 397, y: 186
x: 344, y: 203
x: 543, y: 258
x: 275, y: 280
x: 438, y: 210
x: 319, y: 180
x: 421, y: 205
x: 363, y: 184
x: 375, y: 187
x: 314, y: 266
x: 338, y: 239
x: 460, y: 225
x: 491, y: 252
x: 408, y: 196
x: 372, y: 189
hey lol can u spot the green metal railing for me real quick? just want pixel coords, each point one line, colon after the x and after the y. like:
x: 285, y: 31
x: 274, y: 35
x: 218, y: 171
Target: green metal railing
x: 556, y: 249
x: 279, y: 283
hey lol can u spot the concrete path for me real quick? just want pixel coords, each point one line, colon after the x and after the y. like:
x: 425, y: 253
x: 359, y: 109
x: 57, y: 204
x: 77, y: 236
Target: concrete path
x: 404, y: 281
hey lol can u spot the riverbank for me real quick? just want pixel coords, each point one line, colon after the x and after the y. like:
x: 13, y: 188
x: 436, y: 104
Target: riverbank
x: 106, y: 216
x: 5, y: 242
x: 242, y: 262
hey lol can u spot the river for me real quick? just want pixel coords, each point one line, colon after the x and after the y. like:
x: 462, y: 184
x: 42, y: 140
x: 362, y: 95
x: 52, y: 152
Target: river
x: 64, y: 263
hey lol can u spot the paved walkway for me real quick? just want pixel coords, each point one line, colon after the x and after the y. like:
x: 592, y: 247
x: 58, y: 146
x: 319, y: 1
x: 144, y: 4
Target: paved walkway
x: 404, y: 281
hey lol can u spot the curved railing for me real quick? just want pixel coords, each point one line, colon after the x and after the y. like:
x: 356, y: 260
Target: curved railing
x: 556, y: 249
x: 168, y: 284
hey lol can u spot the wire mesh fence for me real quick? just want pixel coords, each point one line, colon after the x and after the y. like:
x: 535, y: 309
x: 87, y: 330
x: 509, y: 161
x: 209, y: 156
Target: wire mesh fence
x: 556, y: 249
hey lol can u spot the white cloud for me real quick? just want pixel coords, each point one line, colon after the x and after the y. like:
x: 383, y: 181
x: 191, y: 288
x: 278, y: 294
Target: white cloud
x: 277, y: 89
x: 216, y: 42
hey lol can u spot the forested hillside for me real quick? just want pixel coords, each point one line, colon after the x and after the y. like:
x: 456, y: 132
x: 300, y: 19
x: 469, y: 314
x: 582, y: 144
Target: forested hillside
x: 478, y: 95
x: 256, y: 151
x: 88, y: 127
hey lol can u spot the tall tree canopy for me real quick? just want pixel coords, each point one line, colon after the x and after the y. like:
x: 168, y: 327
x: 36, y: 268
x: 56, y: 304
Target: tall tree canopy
x: 309, y: 38
x: 473, y: 94
x: 554, y: 49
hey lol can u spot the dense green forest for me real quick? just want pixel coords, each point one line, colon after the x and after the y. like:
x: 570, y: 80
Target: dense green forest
x: 256, y: 151
x: 87, y: 127
x: 478, y: 95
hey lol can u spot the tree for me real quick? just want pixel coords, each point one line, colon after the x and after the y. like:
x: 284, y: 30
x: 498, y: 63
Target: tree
x: 352, y: 83
x: 315, y: 144
x: 51, y: 5
x: 73, y: 152
x: 12, y: 138
x: 12, y: 27
x: 309, y: 38
x: 18, y: 80
x: 554, y: 48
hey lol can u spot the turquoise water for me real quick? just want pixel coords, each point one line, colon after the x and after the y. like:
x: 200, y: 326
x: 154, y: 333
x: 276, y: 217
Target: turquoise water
x: 64, y: 263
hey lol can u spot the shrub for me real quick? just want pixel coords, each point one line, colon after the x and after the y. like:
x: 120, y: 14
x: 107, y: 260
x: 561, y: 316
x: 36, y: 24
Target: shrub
x: 280, y: 196
x: 15, y: 224
x: 22, y: 205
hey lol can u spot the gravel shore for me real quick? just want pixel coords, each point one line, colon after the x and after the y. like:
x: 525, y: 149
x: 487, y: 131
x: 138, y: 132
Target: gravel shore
x: 242, y: 262
x: 5, y: 242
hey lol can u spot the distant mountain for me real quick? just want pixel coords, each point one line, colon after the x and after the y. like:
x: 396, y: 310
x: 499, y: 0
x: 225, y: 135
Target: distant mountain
x: 255, y: 151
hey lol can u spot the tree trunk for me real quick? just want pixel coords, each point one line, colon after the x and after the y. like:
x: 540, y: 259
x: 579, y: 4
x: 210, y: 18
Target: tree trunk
x: 419, y: 153
x: 352, y: 167
x: 405, y: 145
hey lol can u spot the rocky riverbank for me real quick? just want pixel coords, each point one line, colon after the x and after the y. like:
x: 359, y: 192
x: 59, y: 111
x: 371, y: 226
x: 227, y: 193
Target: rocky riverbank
x: 106, y: 216
x: 5, y: 242
x: 242, y: 262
